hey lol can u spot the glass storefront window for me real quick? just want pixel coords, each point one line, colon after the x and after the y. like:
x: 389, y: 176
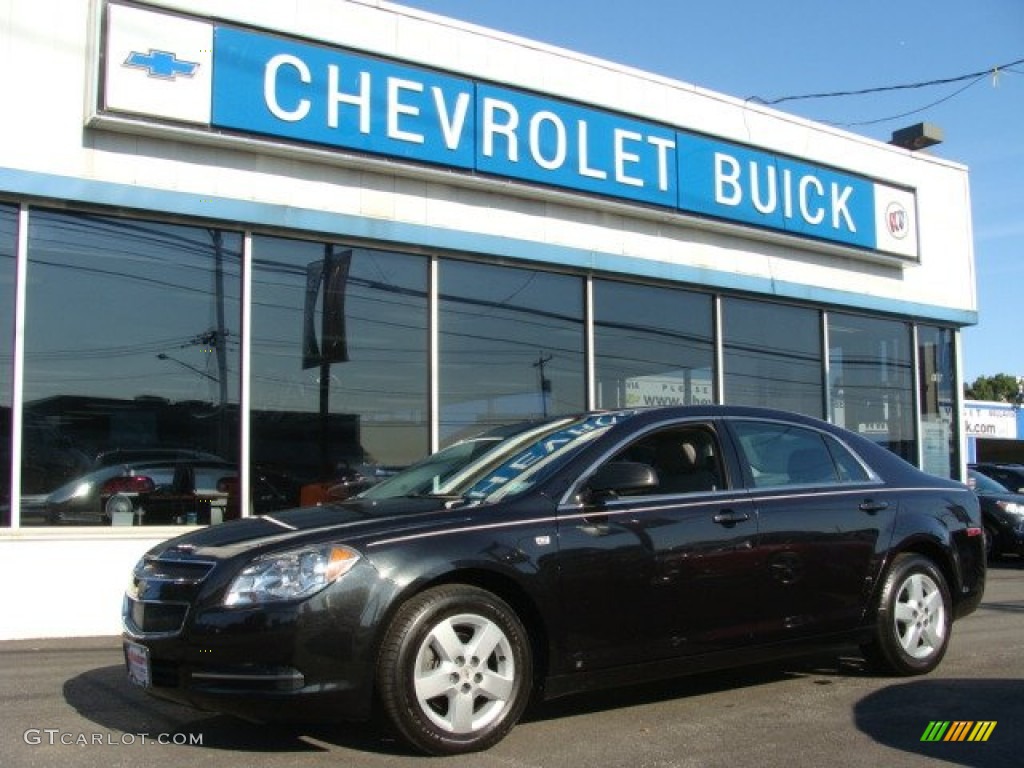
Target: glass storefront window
x: 652, y: 346
x: 937, y: 378
x: 511, y: 346
x: 871, y: 380
x: 772, y: 356
x: 8, y: 248
x: 339, y: 369
x: 131, y: 372
x: 133, y: 354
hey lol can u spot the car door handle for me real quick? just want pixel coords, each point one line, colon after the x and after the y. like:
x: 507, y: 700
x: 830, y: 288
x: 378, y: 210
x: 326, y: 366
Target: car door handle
x: 871, y: 506
x: 730, y: 518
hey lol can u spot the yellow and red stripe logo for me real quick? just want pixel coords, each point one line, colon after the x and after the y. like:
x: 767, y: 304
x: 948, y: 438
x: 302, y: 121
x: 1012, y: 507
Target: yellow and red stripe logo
x: 959, y: 730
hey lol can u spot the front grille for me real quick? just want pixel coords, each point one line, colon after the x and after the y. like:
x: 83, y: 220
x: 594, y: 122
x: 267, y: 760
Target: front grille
x: 179, y: 571
x: 155, y: 618
x: 161, y: 592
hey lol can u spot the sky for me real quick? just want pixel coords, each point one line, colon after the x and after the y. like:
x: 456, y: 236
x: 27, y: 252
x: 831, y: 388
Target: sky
x: 771, y: 50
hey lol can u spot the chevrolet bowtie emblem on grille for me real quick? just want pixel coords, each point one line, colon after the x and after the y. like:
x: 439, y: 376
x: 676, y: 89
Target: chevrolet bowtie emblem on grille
x: 162, y: 64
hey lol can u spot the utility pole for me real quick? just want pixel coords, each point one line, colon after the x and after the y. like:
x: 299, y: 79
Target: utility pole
x: 544, y: 382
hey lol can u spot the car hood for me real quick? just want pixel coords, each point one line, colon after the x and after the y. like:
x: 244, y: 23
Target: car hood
x: 346, y: 519
x: 1012, y: 498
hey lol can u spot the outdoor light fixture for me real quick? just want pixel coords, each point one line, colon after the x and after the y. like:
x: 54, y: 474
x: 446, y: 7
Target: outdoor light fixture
x: 917, y: 137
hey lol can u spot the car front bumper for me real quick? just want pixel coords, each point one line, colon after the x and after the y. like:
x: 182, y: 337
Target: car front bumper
x: 308, y: 660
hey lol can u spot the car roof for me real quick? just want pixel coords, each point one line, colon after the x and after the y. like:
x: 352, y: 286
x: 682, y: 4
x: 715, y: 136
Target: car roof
x: 886, y: 463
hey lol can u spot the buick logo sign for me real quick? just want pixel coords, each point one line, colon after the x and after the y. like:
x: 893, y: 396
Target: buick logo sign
x: 897, y: 220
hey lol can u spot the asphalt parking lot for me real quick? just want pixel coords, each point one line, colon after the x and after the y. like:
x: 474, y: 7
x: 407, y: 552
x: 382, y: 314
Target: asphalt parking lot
x: 68, y: 702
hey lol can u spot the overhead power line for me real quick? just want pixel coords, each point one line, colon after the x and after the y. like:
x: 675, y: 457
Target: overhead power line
x: 993, y: 71
x: 915, y: 111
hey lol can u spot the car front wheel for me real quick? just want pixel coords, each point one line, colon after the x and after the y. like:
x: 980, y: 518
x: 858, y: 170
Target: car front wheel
x: 455, y: 670
x: 914, y: 618
x: 991, y: 553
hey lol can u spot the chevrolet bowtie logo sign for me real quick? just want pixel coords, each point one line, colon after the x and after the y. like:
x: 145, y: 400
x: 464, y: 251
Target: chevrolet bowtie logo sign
x: 162, y: 64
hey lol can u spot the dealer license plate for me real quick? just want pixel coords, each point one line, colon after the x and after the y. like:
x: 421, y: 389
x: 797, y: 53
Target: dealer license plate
x: 136, y: 657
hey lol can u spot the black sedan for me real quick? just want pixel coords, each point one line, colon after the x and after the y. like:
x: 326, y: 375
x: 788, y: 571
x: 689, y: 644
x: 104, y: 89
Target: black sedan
x: 1002, y: 512
x: 553, y: 557
x: 1010, y: 476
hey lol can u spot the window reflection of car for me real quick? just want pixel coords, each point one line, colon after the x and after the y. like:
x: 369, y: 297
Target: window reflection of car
x: 49, y: 457
x: 270, y: 490
x: 557, y: 557
x: 196, y: 490
x: 138, y: 493
x: 346, y: 482
x: 1003, y: 513
x: 135, y: 455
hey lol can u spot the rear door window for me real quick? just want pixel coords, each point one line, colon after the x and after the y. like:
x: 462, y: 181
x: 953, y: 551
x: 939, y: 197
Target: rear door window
x: 777, y: 454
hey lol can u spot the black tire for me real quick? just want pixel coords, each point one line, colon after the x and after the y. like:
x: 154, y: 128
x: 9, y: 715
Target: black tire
x: 991, y: 551
x: 440, y: 693
x: 915, y: 617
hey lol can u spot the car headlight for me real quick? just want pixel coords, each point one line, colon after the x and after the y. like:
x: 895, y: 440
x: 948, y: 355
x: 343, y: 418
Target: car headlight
x: 290, y: 575
x: 1011, y: 507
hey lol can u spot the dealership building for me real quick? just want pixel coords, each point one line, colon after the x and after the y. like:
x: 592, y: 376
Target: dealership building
x: 252, y: 252
x: 994, y: 431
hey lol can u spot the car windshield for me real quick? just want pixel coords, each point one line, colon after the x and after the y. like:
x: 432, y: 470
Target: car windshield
x: 498, y: 463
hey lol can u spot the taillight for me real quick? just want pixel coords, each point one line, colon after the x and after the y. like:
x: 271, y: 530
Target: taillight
x: 128, y: 484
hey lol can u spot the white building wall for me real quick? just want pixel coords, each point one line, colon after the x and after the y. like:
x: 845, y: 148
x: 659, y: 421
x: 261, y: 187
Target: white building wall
x: 61, y: 584
x: 47, y: 55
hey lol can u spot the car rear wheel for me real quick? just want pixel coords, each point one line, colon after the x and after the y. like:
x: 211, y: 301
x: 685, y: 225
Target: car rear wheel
x: 455, y: 670
x: 914, y: 618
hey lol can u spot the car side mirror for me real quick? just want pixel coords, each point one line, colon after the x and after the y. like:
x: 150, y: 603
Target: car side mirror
x: 617, y: 477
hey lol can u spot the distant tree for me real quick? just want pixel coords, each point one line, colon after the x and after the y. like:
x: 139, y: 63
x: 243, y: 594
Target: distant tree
x: 999, y: 388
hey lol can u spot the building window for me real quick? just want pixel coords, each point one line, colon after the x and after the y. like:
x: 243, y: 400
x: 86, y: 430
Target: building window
x: 871, y: 380
x: 133, y: 357
x: 772, y: 356
x: 652, y: 346
x: 131, y: 372
x: 339, y: 369
x: 937, y: 379
x: 8, y: 247
x: 511, y: 346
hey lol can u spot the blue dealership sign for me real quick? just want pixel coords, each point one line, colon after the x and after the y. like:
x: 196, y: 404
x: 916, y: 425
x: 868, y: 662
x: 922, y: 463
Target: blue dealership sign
x: 529, y: 137
x: 259, y: 84
x: 731, y: 181
x: 309, y: 93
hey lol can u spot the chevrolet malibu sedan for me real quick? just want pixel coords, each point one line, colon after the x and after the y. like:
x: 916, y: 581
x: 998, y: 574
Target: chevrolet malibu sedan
x: 554, y: 557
